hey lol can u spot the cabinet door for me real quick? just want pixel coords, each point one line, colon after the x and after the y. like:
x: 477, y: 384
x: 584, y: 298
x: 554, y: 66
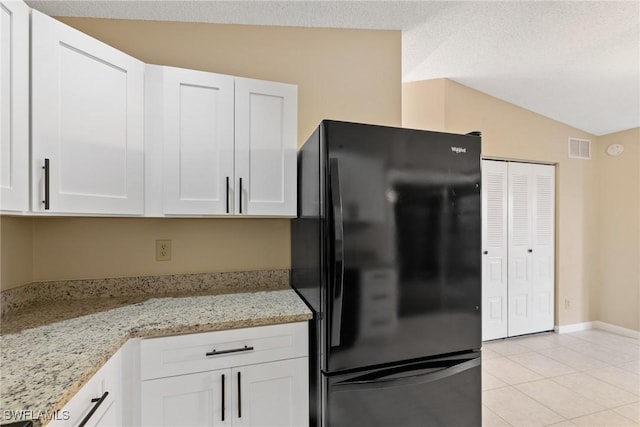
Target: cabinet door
x: 494, y: 246
x: 14, y: 106
x: 198, y: 142
x: 187, y: 400
x: 87, y: 120
x: 266, y: 142
x: 271, y: 394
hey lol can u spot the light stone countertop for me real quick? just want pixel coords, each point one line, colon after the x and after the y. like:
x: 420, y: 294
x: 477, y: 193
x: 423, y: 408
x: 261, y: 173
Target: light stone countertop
x: 42, y: 367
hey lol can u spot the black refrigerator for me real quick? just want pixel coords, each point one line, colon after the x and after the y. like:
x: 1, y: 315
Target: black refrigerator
x: 386, y: 252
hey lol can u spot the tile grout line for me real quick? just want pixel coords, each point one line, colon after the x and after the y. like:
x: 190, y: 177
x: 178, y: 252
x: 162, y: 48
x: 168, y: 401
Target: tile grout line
x: 501, y: 419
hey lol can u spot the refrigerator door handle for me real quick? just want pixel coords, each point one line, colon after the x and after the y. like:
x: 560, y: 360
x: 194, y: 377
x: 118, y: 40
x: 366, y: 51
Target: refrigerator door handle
x: 338, y: 252
x: 422, y: 378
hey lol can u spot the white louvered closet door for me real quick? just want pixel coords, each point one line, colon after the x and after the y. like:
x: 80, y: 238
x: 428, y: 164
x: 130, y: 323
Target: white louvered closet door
x: 494, y: 247
x: 543, y: 177
x: 520, y: 242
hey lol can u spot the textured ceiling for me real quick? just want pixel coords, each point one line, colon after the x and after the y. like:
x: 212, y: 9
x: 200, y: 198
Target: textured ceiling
x: 575, y: 61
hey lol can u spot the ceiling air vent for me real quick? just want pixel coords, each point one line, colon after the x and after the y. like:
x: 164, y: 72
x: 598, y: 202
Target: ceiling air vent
x: 579, y: 148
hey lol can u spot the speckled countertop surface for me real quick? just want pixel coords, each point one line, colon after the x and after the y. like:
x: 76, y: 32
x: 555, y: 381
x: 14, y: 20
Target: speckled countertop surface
x: 42, y: 365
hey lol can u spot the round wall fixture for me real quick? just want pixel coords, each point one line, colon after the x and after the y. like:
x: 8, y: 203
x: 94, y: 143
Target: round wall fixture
x: 615, y: 149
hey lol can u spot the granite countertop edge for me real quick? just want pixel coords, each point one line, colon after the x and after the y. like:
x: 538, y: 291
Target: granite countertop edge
x: 236, y: 311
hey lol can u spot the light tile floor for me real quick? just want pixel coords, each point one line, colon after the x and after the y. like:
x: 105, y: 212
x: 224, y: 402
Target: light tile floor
x: 588, y: 378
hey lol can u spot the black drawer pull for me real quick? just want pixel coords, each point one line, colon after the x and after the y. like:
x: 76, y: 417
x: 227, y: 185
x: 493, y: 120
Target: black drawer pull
x: 227, y: 194
x: 233, y: 350
x: 46, y: 200
x: 98, y: 401
x: 239, y: 397
x: 240, y: 195
x: 222, y: 397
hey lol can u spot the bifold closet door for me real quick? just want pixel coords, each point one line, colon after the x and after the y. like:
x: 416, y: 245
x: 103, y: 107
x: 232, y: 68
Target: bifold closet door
x: 494, y: 249
x: 531, y: 248
x: 520, y: 241
x: 543, y: 255
x: 518, y: 248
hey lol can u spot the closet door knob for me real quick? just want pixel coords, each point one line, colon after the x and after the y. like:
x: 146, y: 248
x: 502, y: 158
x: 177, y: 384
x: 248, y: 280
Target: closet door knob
x: 485, y: 253
x: 530, y: 250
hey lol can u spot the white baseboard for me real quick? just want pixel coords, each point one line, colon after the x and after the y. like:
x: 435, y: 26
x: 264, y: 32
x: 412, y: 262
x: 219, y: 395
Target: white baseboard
x: 616, y: 329
x: 576, y: 327
x: 596, y: 324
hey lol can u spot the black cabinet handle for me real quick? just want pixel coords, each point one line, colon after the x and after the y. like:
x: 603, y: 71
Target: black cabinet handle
x: 240, y: 195
x: 222, y: 397
x: 227, y: 194
x: 530, y: 250
x: 98, y: 401
x: 485, y: 253
x: 239, y: 398
x: 46, y: 184
x: 215, y: 352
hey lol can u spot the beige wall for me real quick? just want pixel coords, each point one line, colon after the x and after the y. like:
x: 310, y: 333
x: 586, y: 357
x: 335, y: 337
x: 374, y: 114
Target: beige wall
x: 512, y: 132
x: 423, y: 104
x: 619, y: 224
x: 106, y: 247
x: 16, y: 251
x: 351, y: 75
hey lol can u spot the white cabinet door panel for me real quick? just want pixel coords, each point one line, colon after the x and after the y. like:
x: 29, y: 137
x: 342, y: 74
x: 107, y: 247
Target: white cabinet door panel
x: 187, y: 400
x: 271, y: 394
x: 198, y: 142
x: 87, y: 118
x: 14, y: 106
x: 266, y: 144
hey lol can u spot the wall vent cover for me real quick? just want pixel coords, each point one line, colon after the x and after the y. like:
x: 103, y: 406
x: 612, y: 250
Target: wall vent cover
x: 579, y: 148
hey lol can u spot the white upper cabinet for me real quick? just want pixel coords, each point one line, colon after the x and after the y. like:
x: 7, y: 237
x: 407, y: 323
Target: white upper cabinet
x: 14, y: 106
x: 87, y: 123
x: 190, y: 141
x: 266, y: 143
x: 219, y: 145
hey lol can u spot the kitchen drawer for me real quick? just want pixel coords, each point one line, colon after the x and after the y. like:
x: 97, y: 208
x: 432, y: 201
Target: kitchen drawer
x: 185, y: 354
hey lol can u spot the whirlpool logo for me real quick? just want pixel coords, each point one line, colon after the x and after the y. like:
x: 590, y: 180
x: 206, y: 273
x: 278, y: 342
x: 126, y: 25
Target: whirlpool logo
x: 458, y: 150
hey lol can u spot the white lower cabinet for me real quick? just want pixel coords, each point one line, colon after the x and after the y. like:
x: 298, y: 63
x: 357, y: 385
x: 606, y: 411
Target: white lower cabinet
x: 252, y: 377
x: 186, y: 400
x: 271, y: 394
x: 99, y: 402
x: 266, y: 394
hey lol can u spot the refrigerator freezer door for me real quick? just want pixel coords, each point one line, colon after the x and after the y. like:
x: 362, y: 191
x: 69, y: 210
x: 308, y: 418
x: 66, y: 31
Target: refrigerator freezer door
x: 408, y: 281
x: 441, y: 392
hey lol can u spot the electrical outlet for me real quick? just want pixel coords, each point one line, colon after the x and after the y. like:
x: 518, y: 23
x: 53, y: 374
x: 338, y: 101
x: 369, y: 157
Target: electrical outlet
x: 567, y: 303
x: 163, y: 250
